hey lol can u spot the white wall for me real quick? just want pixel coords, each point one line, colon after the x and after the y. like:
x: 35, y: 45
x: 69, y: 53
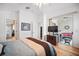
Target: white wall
x: 2, y: 26
x: 4, y: 16
x: 76, y: 30
x: 33, y: 19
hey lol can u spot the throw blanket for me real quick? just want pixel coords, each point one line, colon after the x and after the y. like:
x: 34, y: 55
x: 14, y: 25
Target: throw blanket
x: 41, y: 47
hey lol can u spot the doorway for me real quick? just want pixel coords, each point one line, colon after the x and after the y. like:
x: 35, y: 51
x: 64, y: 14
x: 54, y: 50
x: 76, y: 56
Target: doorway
x: 41, y: 30
x: 10, y: 29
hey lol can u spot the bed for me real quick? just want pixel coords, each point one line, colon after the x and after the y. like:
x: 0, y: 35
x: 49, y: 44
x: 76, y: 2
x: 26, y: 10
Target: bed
x: 27, y: 47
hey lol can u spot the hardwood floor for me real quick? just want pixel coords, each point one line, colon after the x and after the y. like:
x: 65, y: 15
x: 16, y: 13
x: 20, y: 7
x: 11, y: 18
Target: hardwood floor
x: 12, y: 39
x: 63, y: 50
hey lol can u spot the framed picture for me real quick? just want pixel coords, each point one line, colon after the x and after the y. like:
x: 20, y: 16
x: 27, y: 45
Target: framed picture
x: 25, y: 26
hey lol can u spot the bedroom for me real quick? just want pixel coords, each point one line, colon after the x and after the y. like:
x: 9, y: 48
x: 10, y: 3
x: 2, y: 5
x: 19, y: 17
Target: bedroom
x: 22, y: 20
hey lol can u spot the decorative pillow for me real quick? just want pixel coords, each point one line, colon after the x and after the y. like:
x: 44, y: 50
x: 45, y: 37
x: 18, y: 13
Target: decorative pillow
x: 1, y: 47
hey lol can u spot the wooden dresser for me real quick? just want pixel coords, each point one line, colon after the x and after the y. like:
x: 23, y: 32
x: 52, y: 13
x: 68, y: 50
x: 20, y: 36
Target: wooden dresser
x: 51, y: 39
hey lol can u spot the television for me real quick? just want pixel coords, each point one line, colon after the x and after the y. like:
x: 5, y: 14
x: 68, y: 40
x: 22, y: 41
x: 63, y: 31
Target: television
x: 52, y: 28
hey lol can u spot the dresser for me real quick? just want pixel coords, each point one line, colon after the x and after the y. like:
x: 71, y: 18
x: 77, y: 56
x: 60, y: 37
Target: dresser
x: 51, y: 39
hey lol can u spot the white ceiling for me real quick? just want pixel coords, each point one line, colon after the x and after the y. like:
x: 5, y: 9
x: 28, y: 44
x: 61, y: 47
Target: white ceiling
x: 56, y: 9
x: 57, y: 6
x: 17, y: 6
x: 46, y: 8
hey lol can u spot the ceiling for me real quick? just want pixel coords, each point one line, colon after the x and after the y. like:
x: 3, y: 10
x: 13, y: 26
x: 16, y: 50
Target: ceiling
x: 17, y: 6
x: 45, y: 8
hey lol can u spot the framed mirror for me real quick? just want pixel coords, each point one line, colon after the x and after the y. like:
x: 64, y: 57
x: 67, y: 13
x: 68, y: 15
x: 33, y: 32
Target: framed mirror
x: 67, y: 27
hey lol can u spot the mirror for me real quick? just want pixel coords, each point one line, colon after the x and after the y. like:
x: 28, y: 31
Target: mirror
x: 65, y: 28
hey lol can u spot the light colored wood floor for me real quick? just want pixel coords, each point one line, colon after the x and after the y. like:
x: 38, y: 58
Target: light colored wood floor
x: 12, y: 39
x: 63, y: 50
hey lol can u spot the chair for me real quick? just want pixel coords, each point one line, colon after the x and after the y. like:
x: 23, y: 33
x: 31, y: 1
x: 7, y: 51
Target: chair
x: 67, y: 37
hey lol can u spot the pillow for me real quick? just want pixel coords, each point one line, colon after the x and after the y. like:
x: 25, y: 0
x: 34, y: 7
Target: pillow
x: 1, y: 46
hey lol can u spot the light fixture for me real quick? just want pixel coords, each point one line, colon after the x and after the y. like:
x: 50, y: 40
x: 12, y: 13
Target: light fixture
x: 40, y: 4
x: 27, y: 7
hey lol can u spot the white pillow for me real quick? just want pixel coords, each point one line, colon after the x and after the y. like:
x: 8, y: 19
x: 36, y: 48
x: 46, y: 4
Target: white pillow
x: 1, y: 46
